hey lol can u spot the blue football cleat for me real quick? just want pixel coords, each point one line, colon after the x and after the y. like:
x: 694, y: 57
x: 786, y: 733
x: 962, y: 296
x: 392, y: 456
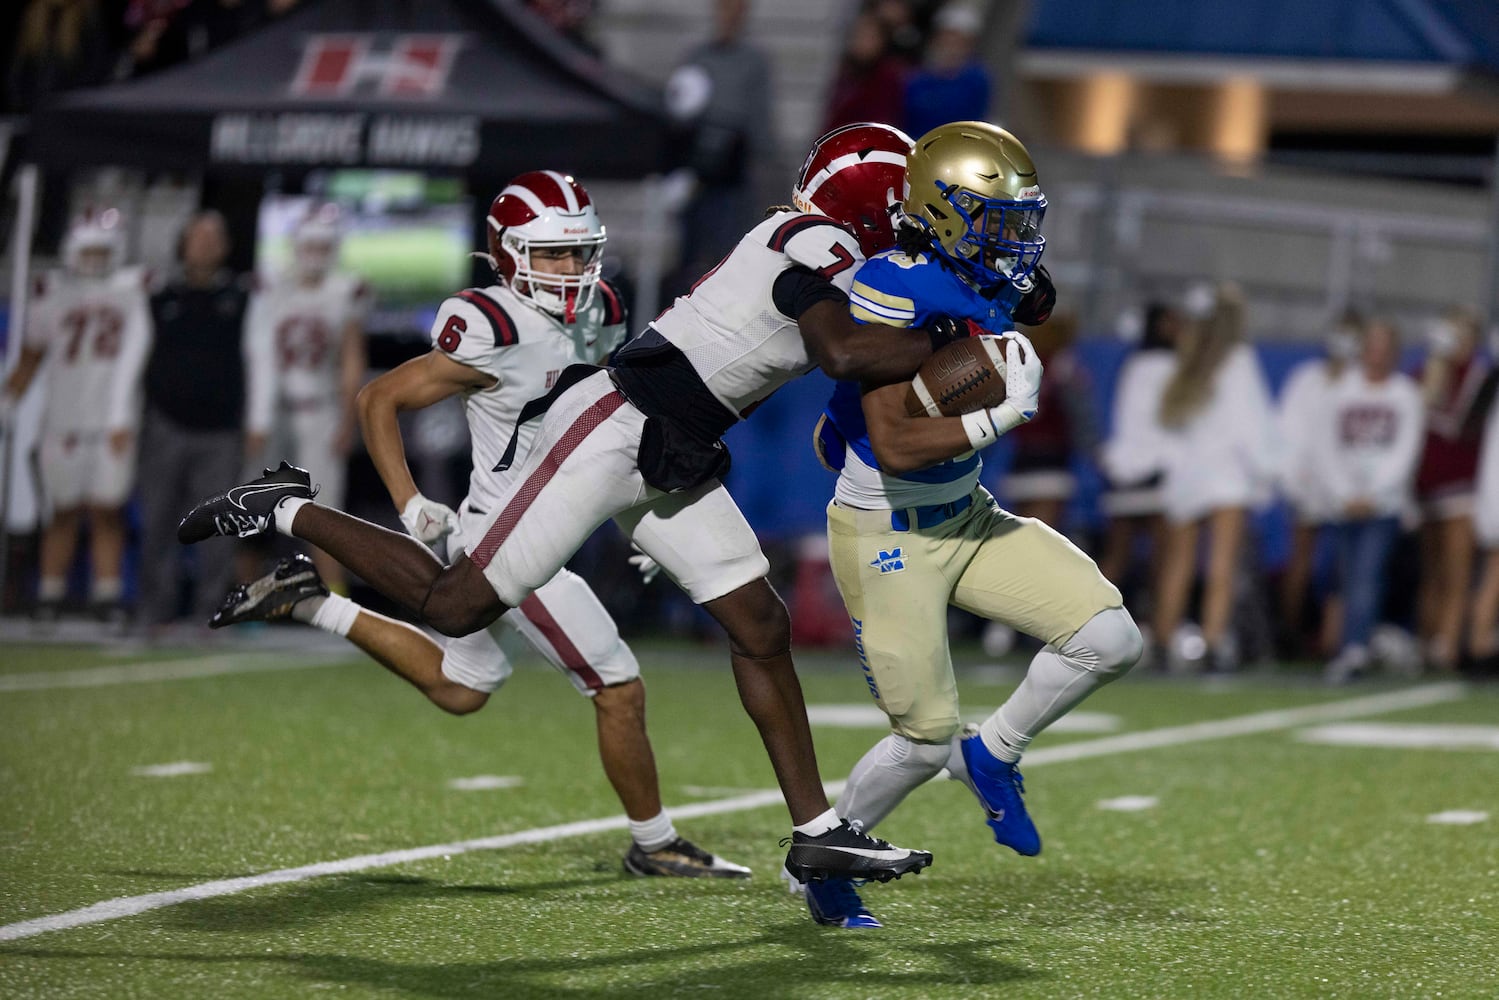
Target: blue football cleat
x: 833, y: 902
x: 998, y: 785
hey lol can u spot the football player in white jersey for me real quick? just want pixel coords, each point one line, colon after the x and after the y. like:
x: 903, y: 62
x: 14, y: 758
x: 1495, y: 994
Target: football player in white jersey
x: 496, y: 348
x: 92, y: 328
x: 311, y: 320
x: 640, y: 443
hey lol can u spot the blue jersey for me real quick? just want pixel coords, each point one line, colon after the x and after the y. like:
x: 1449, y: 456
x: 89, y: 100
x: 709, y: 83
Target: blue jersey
x: 899, y: 289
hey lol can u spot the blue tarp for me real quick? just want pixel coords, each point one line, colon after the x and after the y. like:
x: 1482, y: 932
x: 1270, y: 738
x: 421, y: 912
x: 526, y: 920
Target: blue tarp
x: 1462, y: 33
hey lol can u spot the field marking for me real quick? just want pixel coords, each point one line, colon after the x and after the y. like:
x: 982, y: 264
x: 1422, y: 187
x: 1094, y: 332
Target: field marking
x: 1404, y: 736
x: 175, y: 769
x: 1458, y: 817
x: 159, y: 670
x: 486, y: 782
x: 1259, y: 722
x: 1129, y: 803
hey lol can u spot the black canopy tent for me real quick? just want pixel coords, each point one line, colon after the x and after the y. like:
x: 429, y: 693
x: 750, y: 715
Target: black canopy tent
x: 480, y: 87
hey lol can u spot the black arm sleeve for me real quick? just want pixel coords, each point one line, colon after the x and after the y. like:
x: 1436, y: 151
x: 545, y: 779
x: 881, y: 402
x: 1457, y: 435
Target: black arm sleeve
x: 799, y: 288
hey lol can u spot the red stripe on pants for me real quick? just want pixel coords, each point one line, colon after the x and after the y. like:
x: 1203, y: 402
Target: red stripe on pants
x: 573, y: 660
x: 587, y: 421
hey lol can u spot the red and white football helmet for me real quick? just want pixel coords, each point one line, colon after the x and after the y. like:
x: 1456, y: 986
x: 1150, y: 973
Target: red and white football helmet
x: 856, y: 175
x: 95, y: 244
x: 544, y: 208
x: 314, y: 243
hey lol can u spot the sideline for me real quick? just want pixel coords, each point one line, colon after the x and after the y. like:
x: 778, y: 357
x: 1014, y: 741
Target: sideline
x: 162, y: 670
x: 1259, y: 722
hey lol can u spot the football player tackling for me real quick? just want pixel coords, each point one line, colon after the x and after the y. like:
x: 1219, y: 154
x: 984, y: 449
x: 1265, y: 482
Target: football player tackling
x: 910, y: 530
x: 640, y: 443
x: 495, y: 348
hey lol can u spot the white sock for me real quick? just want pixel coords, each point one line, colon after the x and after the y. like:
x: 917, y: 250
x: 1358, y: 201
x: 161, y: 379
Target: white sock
x: 885, y: 775
x: 52, y: 588
x: 107, y: 591
x: 1057, y: 680
x: 819, y: 825
x: 286, y: 513
x: 654, y: 833
x: 336, y: 614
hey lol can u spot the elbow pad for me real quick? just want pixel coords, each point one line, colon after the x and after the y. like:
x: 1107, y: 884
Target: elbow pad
x: 799, y: 288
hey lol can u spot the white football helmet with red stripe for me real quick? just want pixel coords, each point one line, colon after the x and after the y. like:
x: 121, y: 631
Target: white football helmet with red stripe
x: 95, y: 244
x: 544, y: 208
x: 314, y: 243
x: 856, y: 176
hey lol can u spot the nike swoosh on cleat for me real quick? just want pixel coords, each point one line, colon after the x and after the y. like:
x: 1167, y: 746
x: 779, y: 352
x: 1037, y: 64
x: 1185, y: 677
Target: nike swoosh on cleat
x: 864, y: 852
x: 234, y: 494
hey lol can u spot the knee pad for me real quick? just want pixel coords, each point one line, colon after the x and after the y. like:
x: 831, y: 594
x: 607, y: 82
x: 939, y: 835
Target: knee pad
x: 923, y: 758
x: 1109, y: 643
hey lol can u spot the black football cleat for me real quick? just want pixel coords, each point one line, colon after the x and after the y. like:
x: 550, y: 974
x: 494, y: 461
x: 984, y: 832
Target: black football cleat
x: 248, y: 509
x: 272, y: 597
x: 683, y: 859
x: 844, y: 852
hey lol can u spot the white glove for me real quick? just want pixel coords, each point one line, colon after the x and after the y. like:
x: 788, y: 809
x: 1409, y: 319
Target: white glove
x: 427, y: 520
x: 1442, y: 338
x: 644, y: 565
x: 1022, y: 394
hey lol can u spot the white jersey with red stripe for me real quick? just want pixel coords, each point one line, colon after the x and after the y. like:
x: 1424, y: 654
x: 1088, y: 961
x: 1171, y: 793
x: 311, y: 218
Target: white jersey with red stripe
x: 503, y: 334
x: 95, y: 333
x: 738, y: 342
x: 305, y: 324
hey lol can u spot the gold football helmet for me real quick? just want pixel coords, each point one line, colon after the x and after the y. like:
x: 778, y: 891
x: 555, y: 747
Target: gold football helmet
x: 972, y: 187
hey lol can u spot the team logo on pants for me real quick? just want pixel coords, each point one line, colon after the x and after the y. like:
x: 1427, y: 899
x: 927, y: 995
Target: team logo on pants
x: 889, y: 562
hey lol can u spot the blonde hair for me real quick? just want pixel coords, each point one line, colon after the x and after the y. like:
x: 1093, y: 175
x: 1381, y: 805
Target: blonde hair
x: 1201, y: 350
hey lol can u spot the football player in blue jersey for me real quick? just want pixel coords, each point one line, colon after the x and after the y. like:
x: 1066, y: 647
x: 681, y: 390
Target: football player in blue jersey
x: 911, y: 531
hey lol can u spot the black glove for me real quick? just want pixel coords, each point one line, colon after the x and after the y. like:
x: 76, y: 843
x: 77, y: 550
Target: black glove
x: 945, y: 329
x: 1035, y: 307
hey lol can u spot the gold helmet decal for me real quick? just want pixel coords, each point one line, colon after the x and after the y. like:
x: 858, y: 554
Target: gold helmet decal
x: 973, y: 188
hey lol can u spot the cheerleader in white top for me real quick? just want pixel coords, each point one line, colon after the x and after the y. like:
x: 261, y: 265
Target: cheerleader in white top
x: 1220, y: 462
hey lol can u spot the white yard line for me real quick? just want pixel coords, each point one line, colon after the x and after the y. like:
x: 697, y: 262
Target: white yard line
x: 1260, y: 722
x: 160, y: 670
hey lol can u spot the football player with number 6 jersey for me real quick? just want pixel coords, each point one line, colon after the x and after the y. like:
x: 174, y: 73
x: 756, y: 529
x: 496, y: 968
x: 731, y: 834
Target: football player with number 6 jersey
x: 495, y: 348
x: 91, y: 325
x: 641, y: 443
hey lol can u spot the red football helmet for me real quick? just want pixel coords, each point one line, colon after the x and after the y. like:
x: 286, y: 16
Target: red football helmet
x: 546, y: 209
x: 855, y: 175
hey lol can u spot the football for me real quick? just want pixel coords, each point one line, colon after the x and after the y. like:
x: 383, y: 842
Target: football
x: 964, y: 376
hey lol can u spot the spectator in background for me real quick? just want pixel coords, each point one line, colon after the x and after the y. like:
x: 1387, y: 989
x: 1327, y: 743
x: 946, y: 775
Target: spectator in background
x: 721, y: 99
x: 952, y: 85
x: 871, y: 80
x: 1220, y: 462
x: 208, y: 408
x: 1483, y: 642
x: 1303, y: 417
x: 902, y: 28
x: 1134, y: 457
x: 91, y: 326
x: 59, y: 44
x: 1450, y: 381
x: 1041, y: 481
x: 1369, y: 439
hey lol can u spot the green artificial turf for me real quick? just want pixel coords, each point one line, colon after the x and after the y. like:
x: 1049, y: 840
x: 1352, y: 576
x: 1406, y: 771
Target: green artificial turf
x: 1269, y: 867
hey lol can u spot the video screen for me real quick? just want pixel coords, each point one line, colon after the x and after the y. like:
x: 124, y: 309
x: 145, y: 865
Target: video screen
x: 406, y: 234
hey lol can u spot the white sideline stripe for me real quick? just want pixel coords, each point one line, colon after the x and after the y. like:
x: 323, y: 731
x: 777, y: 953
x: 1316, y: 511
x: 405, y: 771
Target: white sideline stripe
x: 127, y: 906
x: 159, y: 670
x: 1245, y: 725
